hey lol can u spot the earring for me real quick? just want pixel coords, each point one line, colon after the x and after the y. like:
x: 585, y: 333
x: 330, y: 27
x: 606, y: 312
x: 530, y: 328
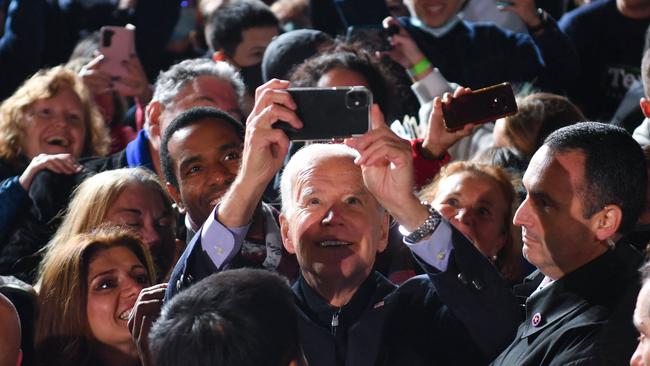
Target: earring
x: 611, y: 244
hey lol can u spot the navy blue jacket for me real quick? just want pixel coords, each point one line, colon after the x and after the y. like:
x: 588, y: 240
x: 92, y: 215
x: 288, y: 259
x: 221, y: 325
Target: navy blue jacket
x: 610, y: 48
x: 194, y: 264
x: 22, y: 44
x: 477, y: 55
x: 465, y: 315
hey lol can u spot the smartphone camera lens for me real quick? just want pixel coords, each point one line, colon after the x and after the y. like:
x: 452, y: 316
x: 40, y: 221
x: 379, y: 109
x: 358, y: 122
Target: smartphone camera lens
x: 356, y: 99
x: 107, y: 37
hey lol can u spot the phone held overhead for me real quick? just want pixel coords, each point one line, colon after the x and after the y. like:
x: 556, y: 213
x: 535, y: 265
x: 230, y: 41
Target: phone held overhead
x: 117, y: 44
x: 480, y: 106
x: 329, y: 113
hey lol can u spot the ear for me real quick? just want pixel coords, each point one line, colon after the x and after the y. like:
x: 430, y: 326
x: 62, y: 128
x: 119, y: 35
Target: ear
x: 606, y: 222
x: 176, y: 196
x: 645, y: 107
x: 152, y: 113
x: 284, y: 232
x: 384, y: 232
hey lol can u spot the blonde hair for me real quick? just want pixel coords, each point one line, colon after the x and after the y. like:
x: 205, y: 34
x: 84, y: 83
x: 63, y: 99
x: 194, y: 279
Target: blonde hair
x: 63, y: 335
x: 508, y: 259
x: 92, y: 200
x: 46, y: 84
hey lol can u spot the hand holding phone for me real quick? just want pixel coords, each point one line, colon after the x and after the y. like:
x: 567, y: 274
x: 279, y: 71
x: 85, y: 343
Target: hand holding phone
x: 328, y: 113
x: 403, y: 49
x: 373, y: 36
x: 437, y: 138
x: 480, y: 106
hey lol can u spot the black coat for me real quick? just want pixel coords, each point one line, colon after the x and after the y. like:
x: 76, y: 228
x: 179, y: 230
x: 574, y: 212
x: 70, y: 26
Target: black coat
x: 584, y: 318
x: 195, y: 264
x: 38, y: 218
x: 463, y: 316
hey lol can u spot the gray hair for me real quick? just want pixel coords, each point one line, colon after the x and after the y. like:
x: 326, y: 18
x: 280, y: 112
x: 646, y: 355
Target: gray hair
x: 170, y: 82
x: 645, y: 272
x: 301, y: 159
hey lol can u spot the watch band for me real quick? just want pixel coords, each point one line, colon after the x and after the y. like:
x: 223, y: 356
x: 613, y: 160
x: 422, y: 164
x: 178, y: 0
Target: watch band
x: 428, y: 226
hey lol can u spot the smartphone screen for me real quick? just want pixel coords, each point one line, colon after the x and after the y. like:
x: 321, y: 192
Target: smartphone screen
x: 329, y: 113
x: 481, y: 106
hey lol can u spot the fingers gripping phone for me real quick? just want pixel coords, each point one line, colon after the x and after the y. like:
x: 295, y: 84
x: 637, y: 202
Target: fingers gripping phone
x: 375, y: 36
x: 328, y: 113
x: 117, y: 44
x: 480, y: 106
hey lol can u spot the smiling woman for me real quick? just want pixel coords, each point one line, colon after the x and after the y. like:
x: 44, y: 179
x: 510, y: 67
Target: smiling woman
x: 48, y: 123
x: 88, y: 289
x: 130, y: 197
x: 480, y: 200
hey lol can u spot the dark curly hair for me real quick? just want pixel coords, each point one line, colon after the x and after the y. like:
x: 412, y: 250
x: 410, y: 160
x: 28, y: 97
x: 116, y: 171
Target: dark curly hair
x: 353, y: 58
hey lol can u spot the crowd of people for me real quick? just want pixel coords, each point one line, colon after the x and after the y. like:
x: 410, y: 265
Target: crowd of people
x: 157, y: 215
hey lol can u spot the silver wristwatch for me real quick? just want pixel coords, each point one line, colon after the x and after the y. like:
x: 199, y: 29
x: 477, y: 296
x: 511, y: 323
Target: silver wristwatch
x: 428, y: 226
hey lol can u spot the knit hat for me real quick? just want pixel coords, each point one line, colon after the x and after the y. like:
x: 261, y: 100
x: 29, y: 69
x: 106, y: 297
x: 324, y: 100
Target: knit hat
x: 290, y: 50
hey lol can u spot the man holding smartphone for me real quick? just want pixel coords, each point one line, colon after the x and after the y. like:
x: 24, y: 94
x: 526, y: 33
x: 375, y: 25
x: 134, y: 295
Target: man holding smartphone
x: 351, y: 314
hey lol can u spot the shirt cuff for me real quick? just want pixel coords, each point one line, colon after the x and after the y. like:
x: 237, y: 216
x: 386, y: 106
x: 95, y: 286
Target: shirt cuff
x: 425, y: 169
x: 432, y: 85
x: 219, y: 242
x: 436, y: 249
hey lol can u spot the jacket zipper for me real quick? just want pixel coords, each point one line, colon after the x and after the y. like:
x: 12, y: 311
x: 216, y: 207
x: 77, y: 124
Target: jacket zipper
x: 335, y: 321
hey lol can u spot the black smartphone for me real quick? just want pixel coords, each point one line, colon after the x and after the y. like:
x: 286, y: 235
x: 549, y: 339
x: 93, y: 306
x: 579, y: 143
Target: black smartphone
x: 329, y: 113
x: 480, y: 106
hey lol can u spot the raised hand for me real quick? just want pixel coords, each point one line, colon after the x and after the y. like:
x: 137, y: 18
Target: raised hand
x: 265, y: 148
x: 135, y: 83
x: 526, y: 10
x: 145, y: 311
x: 404, y: 49
x: 387, y: 167
x: 437, y: 139
x: 58, y: 163
x: 98, y: 81
x: 385, y: 160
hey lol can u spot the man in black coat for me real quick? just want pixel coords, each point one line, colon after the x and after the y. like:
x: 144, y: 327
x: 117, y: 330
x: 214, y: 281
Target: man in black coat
x: 585, y: 187
x: 336, y: 202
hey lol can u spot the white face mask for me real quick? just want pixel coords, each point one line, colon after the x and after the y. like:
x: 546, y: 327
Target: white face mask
x: 439, y: 31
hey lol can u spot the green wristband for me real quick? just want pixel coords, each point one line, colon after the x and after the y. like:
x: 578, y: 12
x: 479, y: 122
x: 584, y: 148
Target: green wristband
x: 420, y: 67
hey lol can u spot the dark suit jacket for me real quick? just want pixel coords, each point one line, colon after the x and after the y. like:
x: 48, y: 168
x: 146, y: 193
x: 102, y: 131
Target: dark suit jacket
x: 195, y: 264
x: 584, y: 318
x: 463, y: 316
